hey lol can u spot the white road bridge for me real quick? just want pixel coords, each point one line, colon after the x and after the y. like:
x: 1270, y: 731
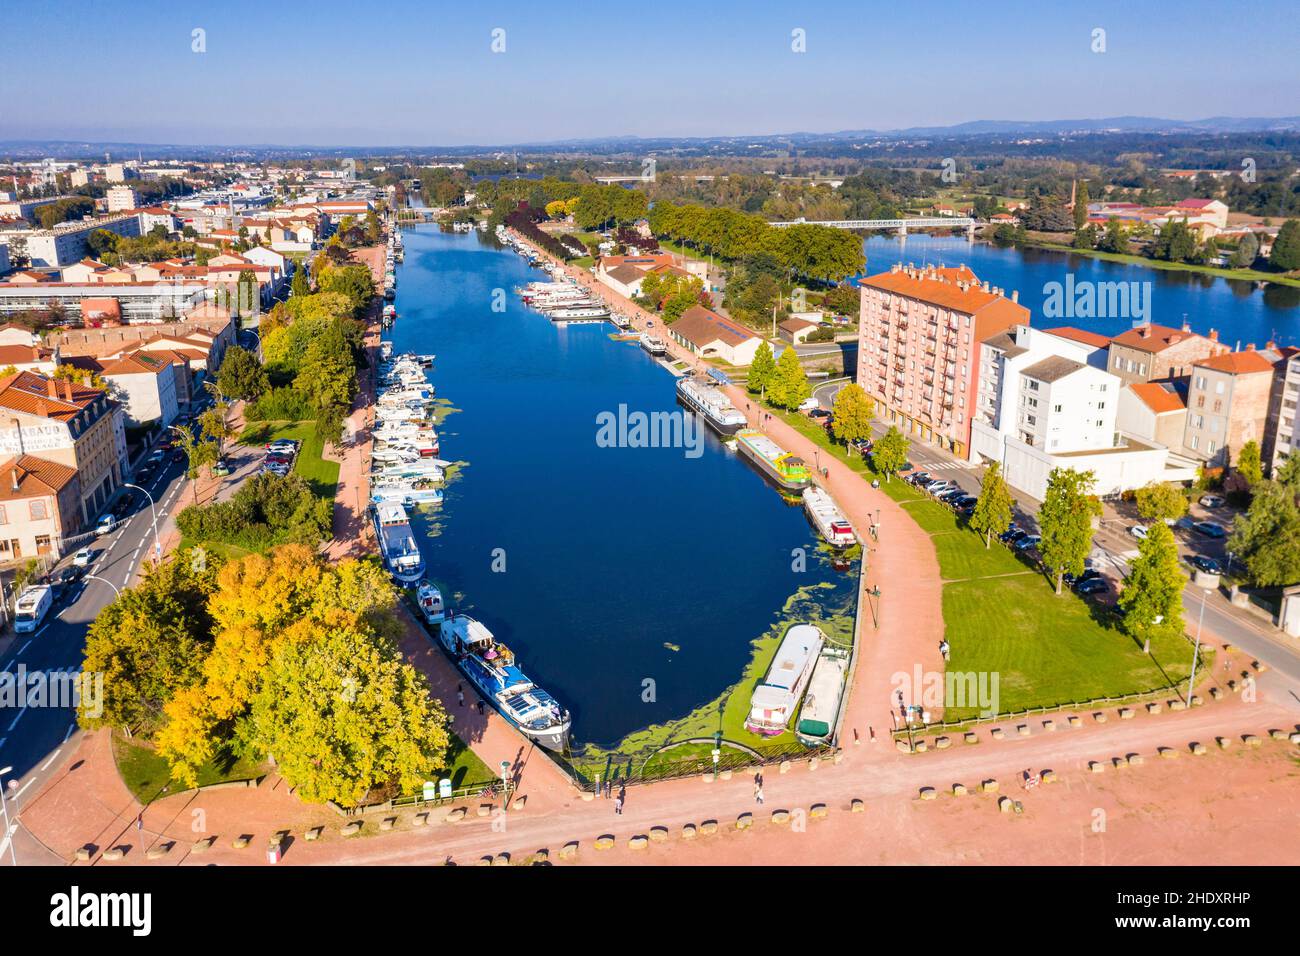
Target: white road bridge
x: 902, y: 225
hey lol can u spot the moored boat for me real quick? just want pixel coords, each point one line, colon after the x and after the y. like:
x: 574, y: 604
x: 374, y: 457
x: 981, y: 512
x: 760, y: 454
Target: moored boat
x: 776, y: 698
x: 786, y: 469
x: 821, y: 704
x: 827, y: 518
x: 397, y: 543
x: 492, y: 668
x: 653, y: 344
x: 711, y: 403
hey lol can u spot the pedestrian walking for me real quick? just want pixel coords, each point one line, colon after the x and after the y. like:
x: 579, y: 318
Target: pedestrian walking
x: 618, y: 804
x: 460, y: 697
x: 480, y: 708
x: 943, y: 649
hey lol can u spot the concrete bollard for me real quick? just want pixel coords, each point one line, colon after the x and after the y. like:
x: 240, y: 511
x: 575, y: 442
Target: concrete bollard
x: 942, y: 743
x: 1215, y: 694
x: 996, y: 733
x: 1250, y: 740
x: 1136, y: 760
x: 989, y: 786
x: 456, y: 815
x: 959, y: 789
x: 83, y: 854
x: 1176, y: 706
x: 1167, y: 753
x: 1223, y: 742
x: 1126, y: 713
x: 387, y: 823
x: 688, y: 831
x: 1005, y: 804
x: 1099, y: 717
x: 484, y: 861
x: 970, y: 737
x: 857, y: 806
x: 927, y: 793
x: 725, y: 775
x: 519, y: 803
x: 780, y: 817
x: 114, y: 854
x: 352, y: 829
x: 569, y: 850
x: 312, y: 835
x: 1153, y: 708
x: 817, y: 811
x: 484, y: 810
x: 813, y: 763
x: 1119, y: 763
x: 1260, y: 667
x: 902, y: 746
x: 638, y: 842
x: 605, y: 841
x: 1022, y: 730
x: 1073, y: 721
x: 1196, y: 700
x: 1096, y: 766
x: 1049, y: 725
x: 158, y: 851
x: 838, y: 758
x: 240, y: 842
x: 540, y: 858
x: 922, y: 746
x: 201, y: 846
x: 785, y: 767
x: 1277, y: 734
x: 744, y: 821
x: 1048, y: 776
x: 1197, y: 749
x: 501, y: 859
x: 420, y: 820
x: 709, y: 827
x: 1294, y: 738
x: 659, y: 834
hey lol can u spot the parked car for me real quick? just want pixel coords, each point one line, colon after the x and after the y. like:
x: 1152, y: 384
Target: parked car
x: 82, y: 558
x: 291, y: 443
x: 917, y: 478
x: 106, y: 524
x: 144, y: 473
x: 939, y: 487
x: 156, y: 456
x: 1211, y: 529
x: 1027, y: 542
x: 122, y: 507
x: 1087, y: 575
x: 862, y: 446
x: 1139, y: 531
x: 1208, y: 565
x: 220, y: 469
x: 808, y: 404
x: 1095, y: 585
x: 1013, y: 531
x: 1212, y: 501
x: 819, y: 413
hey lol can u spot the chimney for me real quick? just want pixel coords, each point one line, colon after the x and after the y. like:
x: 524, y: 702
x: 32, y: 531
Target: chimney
x: 1270, y: 345
x: 986, y: 285
x: 52, y: 387
x: 1187, y: 327
x: 1144, y: 331
x: 13, y: 474
x: 1015, y: 295
x: 1214, y: 335
x: 1250, y: 347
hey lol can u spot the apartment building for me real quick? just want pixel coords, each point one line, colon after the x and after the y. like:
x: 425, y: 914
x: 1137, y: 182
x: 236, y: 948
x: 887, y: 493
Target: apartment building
x: 121, y: 198
x: 919, y: 342
x: 65, y: 243
x: 66, y: 423
x: 1230, y: 401
x: 145, y: 385
x: 1147, y: 353
x: 40, y: 507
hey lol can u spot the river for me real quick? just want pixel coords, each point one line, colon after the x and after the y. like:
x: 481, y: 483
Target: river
x: 603, y: 568
x: 1238, y: 310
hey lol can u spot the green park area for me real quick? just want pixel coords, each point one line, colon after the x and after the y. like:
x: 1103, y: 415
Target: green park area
x: 1001, y: 615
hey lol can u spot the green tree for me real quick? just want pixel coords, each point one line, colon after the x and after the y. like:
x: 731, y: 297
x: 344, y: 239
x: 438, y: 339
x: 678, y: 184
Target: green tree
x: 1065, y: 521
x: 762, y: 371
x: 992, y: 514
x: 1267, y: 539
x: 1286, y: 247
x: 1115, y: 238
x: 1161, y: 501
x: 1249, y: 464
x: 300, y: 285
x: 344, y: 715
x: 216, y: 427
x: 199, y: 454
x: 790, y: 385
x: 1081, y: 205
x: 1152, y: 599
x: 241, y: 375
x: 889, y: 454
x: 852, y: 414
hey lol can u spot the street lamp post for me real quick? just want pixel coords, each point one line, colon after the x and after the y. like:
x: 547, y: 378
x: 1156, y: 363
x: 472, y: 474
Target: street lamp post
x: 1196, y: 653
x: 153, y: 515
x: 874, y: 593
x: 505, y: 783
x: 9, y: 829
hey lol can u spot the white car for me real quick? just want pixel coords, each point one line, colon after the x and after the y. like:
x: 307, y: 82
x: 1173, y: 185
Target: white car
x: 808, y: 404
x: 106, y: 524
x: 1139, y: 531
x: 82, y: 558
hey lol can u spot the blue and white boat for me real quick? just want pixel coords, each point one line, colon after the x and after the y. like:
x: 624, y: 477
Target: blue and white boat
x: 492, y: 669
x: 397, y: 543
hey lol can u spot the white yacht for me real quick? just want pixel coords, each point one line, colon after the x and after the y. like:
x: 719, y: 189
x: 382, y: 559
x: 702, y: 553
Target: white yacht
x: 827, y: 518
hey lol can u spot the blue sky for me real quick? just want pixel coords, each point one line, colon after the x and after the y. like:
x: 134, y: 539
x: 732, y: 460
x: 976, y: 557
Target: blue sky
x: 401, y: 72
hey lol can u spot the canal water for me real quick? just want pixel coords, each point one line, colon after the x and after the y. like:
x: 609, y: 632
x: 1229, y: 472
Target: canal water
x: 603, y: 568
x: 1238, y: 310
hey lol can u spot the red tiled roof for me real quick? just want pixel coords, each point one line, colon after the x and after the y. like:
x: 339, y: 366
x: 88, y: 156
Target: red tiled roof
x: 1157, y: 398
x: 1238, y: 363
x: 34, y: 477
x: 702, y: 326
x: 1080, y: 335
x: 29, y: 392
x: 1153, y: 338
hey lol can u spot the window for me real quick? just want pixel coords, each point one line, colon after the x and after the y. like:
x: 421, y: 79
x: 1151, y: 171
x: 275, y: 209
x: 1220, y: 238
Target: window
x: 1119, y: 362
x: 1033, y: 385
x: 1218, y: 387
x: 4, y: 518
x: 1100, y: 406
x: 1196, y: 441
x: 1198, y: 421
x: 38, y: 509
x: 1056, y: 408
x: 1210, y: 448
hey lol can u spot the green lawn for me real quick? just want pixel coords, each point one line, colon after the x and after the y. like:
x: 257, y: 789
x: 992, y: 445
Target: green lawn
x: 464, y: 766
x: 320, y: 474
x: 148, y: 777
x: 1001, y: 616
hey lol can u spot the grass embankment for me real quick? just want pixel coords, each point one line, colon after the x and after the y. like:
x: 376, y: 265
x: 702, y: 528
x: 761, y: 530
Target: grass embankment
x: 147, y: 775
x: 1001, y: 616
x: 637, y: 753
x: 1244, y: 275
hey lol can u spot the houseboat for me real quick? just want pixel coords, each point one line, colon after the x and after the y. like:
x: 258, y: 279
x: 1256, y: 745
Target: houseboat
x: 653, y: 344
x: 787, y: 470
x: 397, y: 543
x: 821, y: 704
x: 429, y: 600
x: 776, y: 698
x: 491, y: 667
x: 711, y: 403
x: 827, y: 518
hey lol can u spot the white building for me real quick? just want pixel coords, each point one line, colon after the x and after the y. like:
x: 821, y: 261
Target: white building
x: 122, y: 198
x: 1042, y: 406
x: 145, y: 385
x: 66, y: 242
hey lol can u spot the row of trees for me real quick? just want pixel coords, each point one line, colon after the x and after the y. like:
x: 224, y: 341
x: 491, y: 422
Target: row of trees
x: 780, y: 382
x: 277, y: 655
x: 816, y: 252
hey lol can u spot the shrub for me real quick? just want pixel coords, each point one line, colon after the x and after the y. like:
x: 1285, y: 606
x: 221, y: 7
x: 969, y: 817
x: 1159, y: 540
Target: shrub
x: 285, y: 404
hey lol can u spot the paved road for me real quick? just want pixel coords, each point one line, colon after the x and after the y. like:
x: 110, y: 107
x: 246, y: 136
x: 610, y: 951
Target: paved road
x: 33, y: 738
